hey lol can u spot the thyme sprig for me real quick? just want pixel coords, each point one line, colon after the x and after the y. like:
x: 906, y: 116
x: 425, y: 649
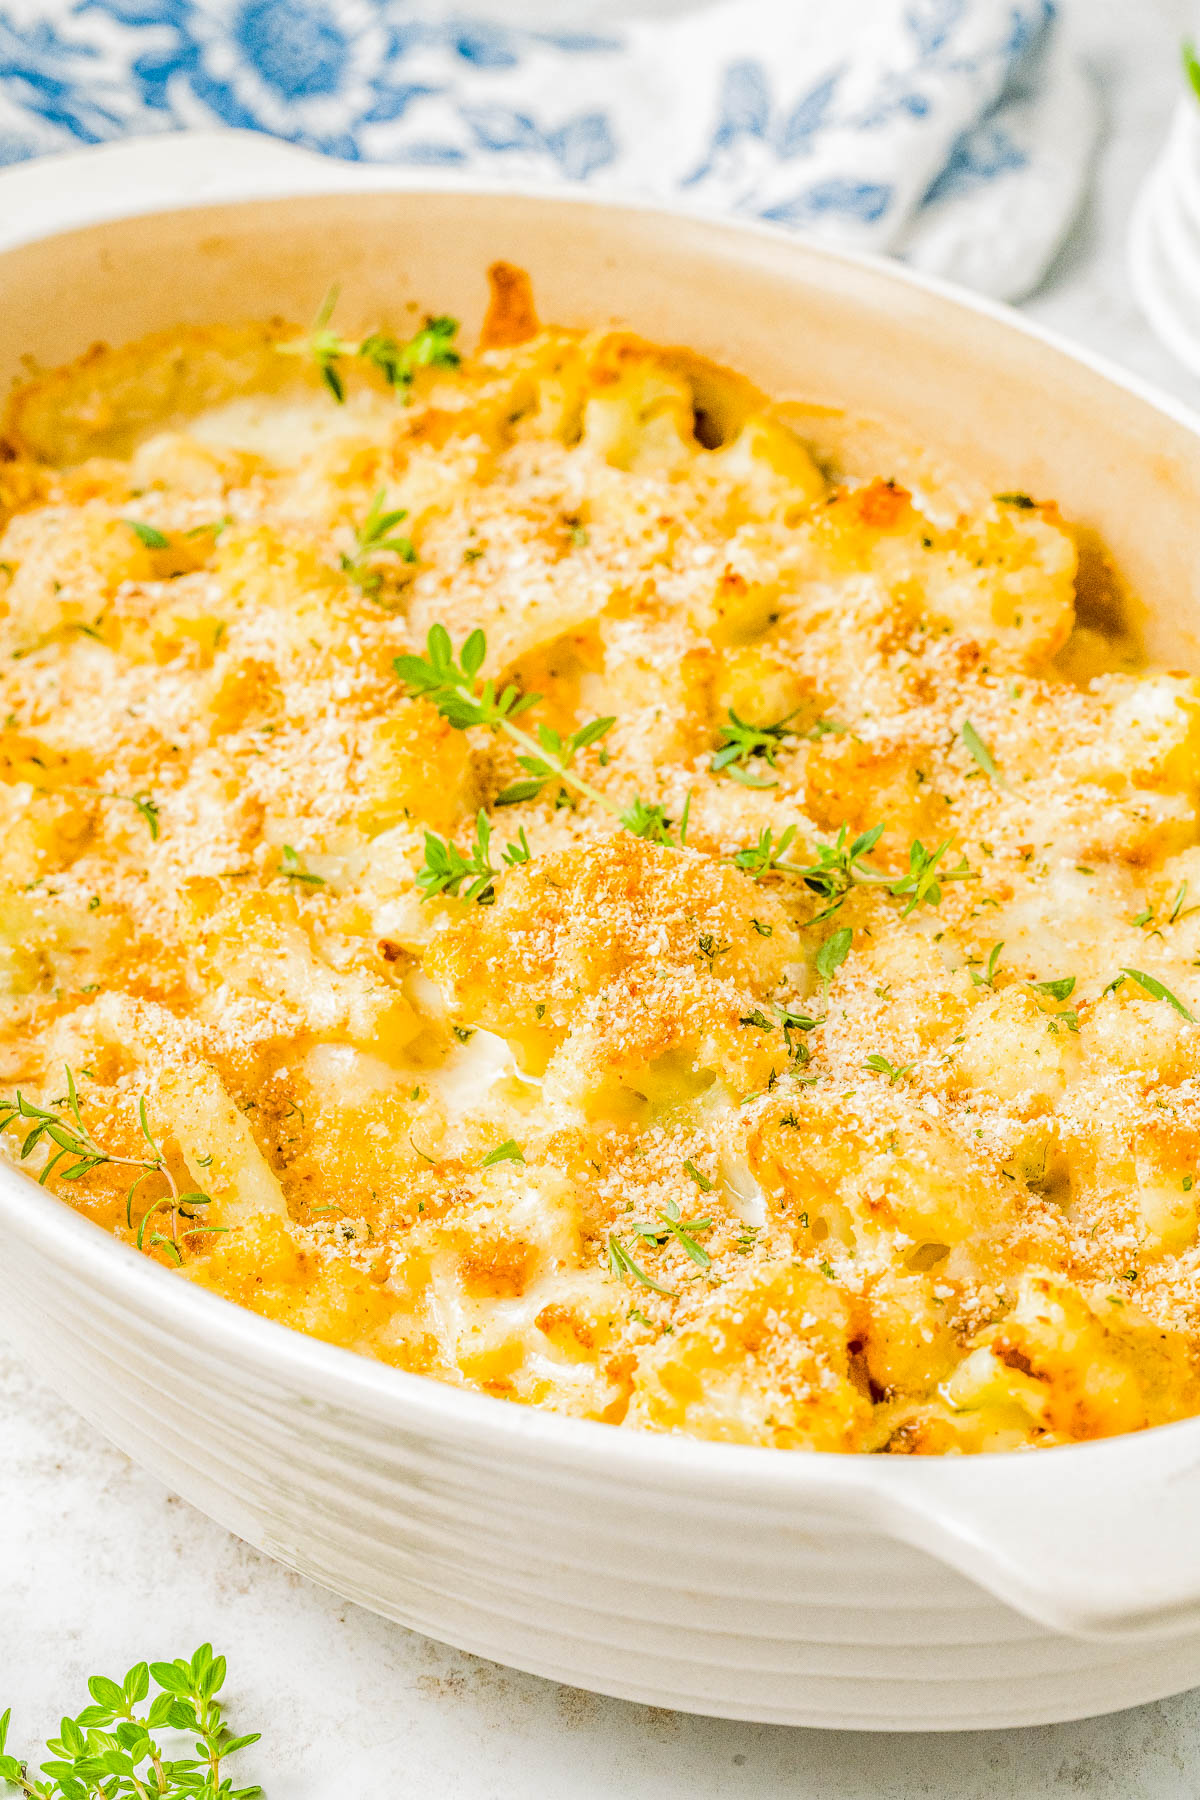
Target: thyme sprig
x: 430, y: 347
x: 650, y: 822
x: 61, y: 1125
x: 452, y: 685
x: 741, y: 742
x: 670, y: 1225
x: 109, y: 1750
x: 146, y: 805
x: 562, y: 751
x: 622, y: 1263
x: 445, y: 868
x: 879, y: 1065
x: 767, y: 855
x: 839, y: 867
x: 371, y: 538
x: 923, y: 882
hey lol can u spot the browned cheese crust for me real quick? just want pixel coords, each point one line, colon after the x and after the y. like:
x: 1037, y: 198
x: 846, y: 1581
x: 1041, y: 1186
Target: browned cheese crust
x: 680, y: 1108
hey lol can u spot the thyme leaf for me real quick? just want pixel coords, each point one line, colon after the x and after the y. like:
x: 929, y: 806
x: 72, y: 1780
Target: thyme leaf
x: 879, y: 1065
x: 508, y: 1151
x: 740, y: 742
x: 1155, y: 988
x: 979, y: 751
x: 833, y: 953
x: 372, y: 538
x: 621, y: 1263
x: 922, y: 884
x: 150, y: 535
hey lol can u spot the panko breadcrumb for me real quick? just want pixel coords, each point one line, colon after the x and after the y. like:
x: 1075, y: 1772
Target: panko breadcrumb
x: 752, y: 994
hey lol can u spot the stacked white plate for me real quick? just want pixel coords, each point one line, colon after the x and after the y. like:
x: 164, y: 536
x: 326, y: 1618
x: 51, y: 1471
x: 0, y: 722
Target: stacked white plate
x: 1164, y: 245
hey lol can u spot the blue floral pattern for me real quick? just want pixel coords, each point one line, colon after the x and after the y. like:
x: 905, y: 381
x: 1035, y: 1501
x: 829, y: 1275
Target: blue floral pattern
x: 849, y: 127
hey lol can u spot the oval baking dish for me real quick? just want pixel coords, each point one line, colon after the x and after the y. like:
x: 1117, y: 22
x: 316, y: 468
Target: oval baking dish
x: 800, y: 1588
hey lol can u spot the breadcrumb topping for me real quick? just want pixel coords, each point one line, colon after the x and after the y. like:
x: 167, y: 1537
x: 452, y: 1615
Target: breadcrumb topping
x: 765, y: 1010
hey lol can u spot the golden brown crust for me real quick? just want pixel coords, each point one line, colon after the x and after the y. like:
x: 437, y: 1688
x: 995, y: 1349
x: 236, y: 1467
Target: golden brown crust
x: 728, y: 1128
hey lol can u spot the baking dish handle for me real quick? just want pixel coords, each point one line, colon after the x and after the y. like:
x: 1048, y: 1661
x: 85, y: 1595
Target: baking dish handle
x: 137, y: 175
x: 1099, y: 1540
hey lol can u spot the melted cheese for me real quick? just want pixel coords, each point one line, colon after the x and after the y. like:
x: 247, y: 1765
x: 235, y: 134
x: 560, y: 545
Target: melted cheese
x: 720, y: 1134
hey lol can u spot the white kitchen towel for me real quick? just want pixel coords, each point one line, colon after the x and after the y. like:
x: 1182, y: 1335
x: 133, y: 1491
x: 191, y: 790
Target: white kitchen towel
x: 956, y: 133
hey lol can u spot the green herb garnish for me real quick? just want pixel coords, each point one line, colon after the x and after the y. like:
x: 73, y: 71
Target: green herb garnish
x: 740, y: 742
x: 833, y: 953
x: 767, y: 855
x: 445, y: 868
x: 452, y: 686
x: 431, y: 347
x: 1155, y: 988
x: 839, y: 867
x: 371, y: 539
x: 508, y: 1151
x: 711, y: 947
x: 988, y: 978
x: 150, y: 535
x: 292, y: 869
x: 61, y: 1125
x: 1191, y: 67
x: 649, y: 822
x: 879, y: 1065
x: 923, y: 882
x: 979, y: 750
x: 621, y: 1262
x: 109, y: 1751
x: 1057, y: 990
x: 670, y: 1225
x: 556, y: 756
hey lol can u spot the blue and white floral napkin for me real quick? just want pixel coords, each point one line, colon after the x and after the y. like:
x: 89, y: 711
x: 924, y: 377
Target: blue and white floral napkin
x: 955, y: 133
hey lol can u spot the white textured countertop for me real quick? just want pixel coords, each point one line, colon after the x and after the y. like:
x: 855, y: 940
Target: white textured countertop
x: 100, y: 1566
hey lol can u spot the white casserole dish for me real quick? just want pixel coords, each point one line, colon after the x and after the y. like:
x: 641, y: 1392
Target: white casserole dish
x: 876, y: 1593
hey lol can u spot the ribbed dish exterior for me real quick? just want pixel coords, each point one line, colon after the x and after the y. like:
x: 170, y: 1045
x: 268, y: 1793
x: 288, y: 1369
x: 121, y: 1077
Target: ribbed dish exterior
x: 745, y: 1583
x: 632, y: 1589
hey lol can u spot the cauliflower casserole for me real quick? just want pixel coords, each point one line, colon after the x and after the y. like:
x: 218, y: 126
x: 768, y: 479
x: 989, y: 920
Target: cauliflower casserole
x: 530, y: 867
